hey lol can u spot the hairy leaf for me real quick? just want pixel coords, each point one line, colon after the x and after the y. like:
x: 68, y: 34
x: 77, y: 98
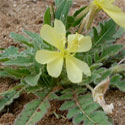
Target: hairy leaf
x: 104, y: 33
x: 8, y: 53
x: 34, y: 111
x: 17, y: 73
x: 63, y: 9
x: 4, y: 74
x: 9, y: 97
x: 38, y: 42
x: 20, y: 61
x: 110, y: 51
x: 118, y: 82
x: 21, y: 39
x: 82, y: 108
x: 32, y: 80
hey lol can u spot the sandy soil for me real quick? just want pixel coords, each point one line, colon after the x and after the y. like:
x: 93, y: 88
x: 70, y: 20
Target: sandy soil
x: 16, y: 15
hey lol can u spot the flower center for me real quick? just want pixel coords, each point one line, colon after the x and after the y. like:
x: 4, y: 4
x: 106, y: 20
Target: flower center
x: 65, y: 53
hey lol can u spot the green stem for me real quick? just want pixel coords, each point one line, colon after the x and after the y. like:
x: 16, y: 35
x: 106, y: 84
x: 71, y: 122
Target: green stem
x: 80, y: 107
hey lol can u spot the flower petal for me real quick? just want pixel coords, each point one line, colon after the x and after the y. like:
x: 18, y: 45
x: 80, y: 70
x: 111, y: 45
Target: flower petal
x: 114, y: 12
x: 85, y: 44
x: 54, y: 68
x: 49, y: 35
x: 75, y: 68
x: 45, y: 56
x: 79, y: 43
x: 73, y: 42
x: 59, y: 27
x: 56, y: 35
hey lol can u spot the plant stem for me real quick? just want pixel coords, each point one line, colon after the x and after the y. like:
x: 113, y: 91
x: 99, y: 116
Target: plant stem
x: 89, y: 87
x: 121, y: 61
x: 118, y: 68
x: 78, y: 104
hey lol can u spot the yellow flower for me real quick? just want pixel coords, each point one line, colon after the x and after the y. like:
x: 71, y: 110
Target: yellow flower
x: 113, y: 11
x: 96, y: 5
x: 56, y: 36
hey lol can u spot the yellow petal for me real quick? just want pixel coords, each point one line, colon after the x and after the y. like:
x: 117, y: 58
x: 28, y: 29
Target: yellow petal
x: 72, y: 42
x: 56, y: 35
x: 114, y: 12
x: 85, y: 44
x: 100, y: 3
x: 54, y: 68
x: 75, y: 68
x: 45, y: 56
x: 59, y: 27
x: 79, y: 43
x: 49, y: 35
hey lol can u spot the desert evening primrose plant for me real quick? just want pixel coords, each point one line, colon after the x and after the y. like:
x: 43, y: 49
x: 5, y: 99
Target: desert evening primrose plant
x: 66, y: 50
x: 93, y: 64
x: 108, y: 7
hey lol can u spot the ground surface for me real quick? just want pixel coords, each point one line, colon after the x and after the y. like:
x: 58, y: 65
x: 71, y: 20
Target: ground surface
x: 16, y: 15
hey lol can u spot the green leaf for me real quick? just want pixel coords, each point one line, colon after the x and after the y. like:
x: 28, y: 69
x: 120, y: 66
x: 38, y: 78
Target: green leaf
x: 32, y: 80
x: 47, y: 17
x: 20, y: 61
x: 8, y: 53
x: 119, y: 33
x: 66, y: 96
x: 72, y: 112
x: 95, y: 66
x: 78, y: 21
x: 33, y: 111
x: 78, y: 11
x: 53, y: 96
x: 9, y: 97
x: 88, y: 59
x: 82, y: 108
x: 70, y: 20
x: 67, y: 91
x: 33, y: 89
x: 67, y: 105
x: 37, y: 40
x: 4, y: 74
x: 78, y: 118
x: 110, y: 51
x: 2, y: 48
x: 104, y: 33
x: 63, y: 9
x: 117, y: 81
x: 57, y: 2
x: 96, y: 56
x: 17, y: 73
x: 59, y: 6
x: 103, y: 75
x: 21, y: 39
x: 99, y: 117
